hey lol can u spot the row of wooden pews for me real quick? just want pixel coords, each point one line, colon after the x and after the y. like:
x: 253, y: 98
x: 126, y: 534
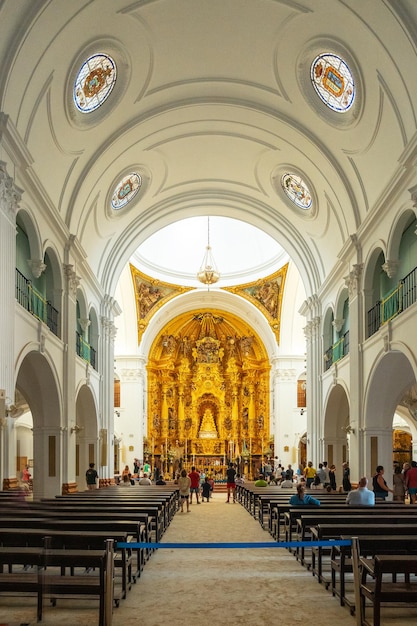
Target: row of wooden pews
x: 386, y: 539
x: 82, y: 524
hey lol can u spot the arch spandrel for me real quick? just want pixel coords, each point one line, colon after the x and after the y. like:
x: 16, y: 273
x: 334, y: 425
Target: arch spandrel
x: 208, y: 388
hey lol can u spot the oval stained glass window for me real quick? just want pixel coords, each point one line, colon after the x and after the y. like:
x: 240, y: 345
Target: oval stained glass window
x: 126, y: 190
x: 94, y: 82
x: 333, y: 82
x: 297, y: 190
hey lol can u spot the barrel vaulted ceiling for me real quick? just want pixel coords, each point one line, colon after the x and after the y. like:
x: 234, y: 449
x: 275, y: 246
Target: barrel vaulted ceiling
x: 213, y: 102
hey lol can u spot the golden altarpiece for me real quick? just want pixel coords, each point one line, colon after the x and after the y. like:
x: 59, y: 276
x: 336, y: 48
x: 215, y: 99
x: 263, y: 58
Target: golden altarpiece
x: 208, y: 394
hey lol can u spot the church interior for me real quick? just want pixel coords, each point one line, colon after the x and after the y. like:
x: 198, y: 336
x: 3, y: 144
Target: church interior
x: 208, y: 256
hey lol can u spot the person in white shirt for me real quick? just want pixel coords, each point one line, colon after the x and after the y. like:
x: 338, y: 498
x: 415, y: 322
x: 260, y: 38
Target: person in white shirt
x: 362, y: 496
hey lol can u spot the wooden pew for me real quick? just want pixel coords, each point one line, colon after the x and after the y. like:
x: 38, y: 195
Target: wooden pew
x: 90, y: 523
x: 373, y: 587
x: 49, y: 580
x: 73, y: 539
x: 369, y: 546
x: 306, y: 522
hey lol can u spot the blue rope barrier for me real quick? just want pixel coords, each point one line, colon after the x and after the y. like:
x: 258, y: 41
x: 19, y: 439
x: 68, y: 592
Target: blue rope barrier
x: 262, y: 544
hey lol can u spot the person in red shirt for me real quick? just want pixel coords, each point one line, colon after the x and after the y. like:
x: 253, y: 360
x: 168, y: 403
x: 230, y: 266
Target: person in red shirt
x: 195, y: 484
x: 411, y: 481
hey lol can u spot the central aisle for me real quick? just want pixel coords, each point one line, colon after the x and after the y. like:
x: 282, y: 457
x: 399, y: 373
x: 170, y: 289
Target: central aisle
x: 209, y: 587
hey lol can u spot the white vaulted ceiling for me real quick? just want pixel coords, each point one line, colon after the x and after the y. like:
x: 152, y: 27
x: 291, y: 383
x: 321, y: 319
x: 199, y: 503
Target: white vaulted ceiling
x: 212, y: 104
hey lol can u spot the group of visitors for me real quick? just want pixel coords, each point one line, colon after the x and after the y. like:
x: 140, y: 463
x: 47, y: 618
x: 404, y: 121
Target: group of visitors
x: 404, y: 482
x: 190, y: 485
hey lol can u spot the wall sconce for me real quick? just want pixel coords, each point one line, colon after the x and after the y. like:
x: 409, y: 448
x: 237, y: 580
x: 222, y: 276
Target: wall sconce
x: 76, y: 429
x: 302, y: 412
x: 117, y: 413
x: 348, y: 429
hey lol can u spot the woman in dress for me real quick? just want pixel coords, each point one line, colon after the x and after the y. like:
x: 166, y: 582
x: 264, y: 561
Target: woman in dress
x: 346, y: 477
x: 398, y: 484
x: 332, y: 477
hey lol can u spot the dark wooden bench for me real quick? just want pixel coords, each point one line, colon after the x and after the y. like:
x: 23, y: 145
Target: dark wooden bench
x: 369, y: 545
x: 154, y: 511
x: 377, y: 589
x: 50, y: 579
x: 346, y: 519
x: 73, y: 539
x: 86, y: 523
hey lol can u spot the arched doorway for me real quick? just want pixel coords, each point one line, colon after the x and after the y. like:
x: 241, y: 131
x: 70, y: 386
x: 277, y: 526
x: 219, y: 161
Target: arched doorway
x: 337, y: 429
x: 37, y: 383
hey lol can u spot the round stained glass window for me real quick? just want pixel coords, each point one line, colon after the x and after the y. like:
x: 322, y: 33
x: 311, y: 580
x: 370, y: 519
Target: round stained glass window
x: 297, y: 191
x: 333, y: 82
x: 94, y: 82
x: 126, y: 190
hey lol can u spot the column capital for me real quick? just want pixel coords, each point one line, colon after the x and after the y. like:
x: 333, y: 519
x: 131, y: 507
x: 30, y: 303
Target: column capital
x: 72, y: 278
x: 352, y: 279
x: 338, y: 324
x: 37, y: 266
x: 390, y: 268
x: 10, y: 195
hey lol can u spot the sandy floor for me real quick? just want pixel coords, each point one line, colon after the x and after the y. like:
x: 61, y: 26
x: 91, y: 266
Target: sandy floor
x: 197, y: 587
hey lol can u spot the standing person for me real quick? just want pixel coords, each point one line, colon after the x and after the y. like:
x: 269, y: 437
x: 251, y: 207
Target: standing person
x: 195, y: 484
x: 411, y: 482
x: 321, y: 473
x: 326, y: 471
x: 362, y: 496
x: 91, y: 477
x: 398, y: 485
x: 184, y: 483
x: 332, y: 477
x: 301, y: 498
x: 231, y: 482
x: 381, y: 488
x: 136, y: 466
x: 309, y: 474
x: 346, y: 477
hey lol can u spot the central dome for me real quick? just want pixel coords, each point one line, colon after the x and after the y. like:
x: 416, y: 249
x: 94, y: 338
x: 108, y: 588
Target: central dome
x: 242, y: 253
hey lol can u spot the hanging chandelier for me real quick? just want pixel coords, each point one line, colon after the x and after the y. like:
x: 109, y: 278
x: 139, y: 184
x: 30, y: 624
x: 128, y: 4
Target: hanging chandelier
x: 208, y: 273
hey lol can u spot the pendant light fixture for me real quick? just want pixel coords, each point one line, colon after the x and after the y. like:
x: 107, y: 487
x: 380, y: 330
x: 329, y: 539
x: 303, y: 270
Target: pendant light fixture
x: 208, y: 273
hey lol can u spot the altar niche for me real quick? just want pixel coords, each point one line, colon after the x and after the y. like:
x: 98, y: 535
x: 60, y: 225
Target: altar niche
x: 208, y: 391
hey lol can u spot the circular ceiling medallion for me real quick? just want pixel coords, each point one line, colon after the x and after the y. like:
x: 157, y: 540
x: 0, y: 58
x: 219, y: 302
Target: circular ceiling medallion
x: 94, y: 82
x: 126, y: 190
x: 297, y: 191
x: 333, y: 82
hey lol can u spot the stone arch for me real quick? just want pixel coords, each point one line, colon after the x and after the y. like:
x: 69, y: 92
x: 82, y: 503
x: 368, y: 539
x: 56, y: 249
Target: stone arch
x: 336, y: 427
x: 404, y: 219
x: 27, y: 222
x: 87, y: 431
x: 53, y: 283
x: 328, y: 337
x: 37, y: 382
x: 392, y: 374
x: 371, y: 285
